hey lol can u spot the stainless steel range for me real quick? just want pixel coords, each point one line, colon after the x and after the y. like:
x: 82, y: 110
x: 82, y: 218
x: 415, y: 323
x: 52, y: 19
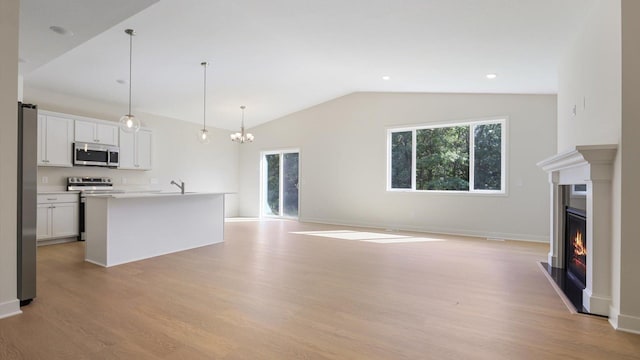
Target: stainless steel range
x: 89, y: 185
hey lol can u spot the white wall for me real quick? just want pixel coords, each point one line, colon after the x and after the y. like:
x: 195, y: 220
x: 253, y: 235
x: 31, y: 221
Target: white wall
x: 589, y: 79
x: 629, y: 317
x: 602, y: 66
x: 176, y: 152
x: 343, y: 164
x: 8, y: 155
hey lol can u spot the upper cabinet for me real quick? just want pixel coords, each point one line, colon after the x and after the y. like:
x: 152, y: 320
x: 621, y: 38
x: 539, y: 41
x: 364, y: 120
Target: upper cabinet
x: 57, y: 132
x: 136, y: 150
x: 144, y: 146
x: 94, y: 132
x: 55, y: 139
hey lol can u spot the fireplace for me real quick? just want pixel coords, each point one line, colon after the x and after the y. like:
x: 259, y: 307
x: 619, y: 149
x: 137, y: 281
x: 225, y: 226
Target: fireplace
x: 575, y: 240
x: 580, y: 250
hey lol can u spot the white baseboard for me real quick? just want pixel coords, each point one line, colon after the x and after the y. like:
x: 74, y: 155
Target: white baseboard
x: 434, y: 230
x: 57, y: 241
x: 596, y: 304
x: 10, y: 308
x: 628, y: 323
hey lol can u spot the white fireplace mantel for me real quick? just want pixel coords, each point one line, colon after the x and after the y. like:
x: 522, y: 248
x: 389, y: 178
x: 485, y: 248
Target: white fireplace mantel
x: 582, y: 162
x: 591, y: 165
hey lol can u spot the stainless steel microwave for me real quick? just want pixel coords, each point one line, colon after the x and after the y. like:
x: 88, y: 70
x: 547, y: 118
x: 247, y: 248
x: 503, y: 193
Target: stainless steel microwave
x: 87, y: 154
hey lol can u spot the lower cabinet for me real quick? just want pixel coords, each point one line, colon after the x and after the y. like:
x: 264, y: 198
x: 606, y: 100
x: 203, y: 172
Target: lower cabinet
x: 57, y: 216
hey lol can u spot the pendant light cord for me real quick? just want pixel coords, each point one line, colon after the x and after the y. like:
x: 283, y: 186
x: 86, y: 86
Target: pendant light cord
x: 204, y: 100
x: 242, y: 125
x: 130, y: 65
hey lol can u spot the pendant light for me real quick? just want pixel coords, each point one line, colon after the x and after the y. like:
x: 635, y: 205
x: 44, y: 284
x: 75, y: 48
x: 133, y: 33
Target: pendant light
x: 242, y: 136
x: 203, y: 134
x: 128, y: 122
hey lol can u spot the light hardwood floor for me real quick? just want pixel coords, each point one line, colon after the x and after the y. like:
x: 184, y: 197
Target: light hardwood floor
x: 268, y: 294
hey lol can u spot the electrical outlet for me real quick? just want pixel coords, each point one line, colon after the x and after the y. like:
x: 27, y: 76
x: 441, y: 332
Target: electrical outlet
x: 45, y: 179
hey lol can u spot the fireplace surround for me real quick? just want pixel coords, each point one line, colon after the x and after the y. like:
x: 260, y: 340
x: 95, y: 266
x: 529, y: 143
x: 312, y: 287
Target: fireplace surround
x: 591, y: 165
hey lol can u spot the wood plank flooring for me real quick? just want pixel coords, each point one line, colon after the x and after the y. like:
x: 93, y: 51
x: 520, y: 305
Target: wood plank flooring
x: 268, y: 294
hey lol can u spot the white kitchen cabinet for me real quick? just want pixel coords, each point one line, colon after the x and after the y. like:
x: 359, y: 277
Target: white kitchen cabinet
x: 136, y: 150
x: 43, y: 228
x: 57, y: 216
x: 64, y: 220
x: 127, y: 156
x: 144, y: 147
x: 55, y: 140
x: 94, y: 132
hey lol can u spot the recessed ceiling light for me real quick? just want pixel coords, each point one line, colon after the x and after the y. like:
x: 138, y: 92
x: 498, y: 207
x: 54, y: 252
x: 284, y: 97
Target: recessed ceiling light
x: 491, y: 76
x: 386, y: 77
x: 121, y: 81
x: 60, y: 30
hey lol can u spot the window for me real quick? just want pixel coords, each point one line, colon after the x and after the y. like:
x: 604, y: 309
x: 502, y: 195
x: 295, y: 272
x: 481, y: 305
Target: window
x: 279, y: 190
x: 468, y: 157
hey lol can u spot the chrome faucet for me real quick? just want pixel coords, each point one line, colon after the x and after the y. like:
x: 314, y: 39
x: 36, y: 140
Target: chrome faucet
x: 181, y: 185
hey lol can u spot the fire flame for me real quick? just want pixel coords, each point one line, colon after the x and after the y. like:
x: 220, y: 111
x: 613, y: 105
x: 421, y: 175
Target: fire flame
x: 578, y: 245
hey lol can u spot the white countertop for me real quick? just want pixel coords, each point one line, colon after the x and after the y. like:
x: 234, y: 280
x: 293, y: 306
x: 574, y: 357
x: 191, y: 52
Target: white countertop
x: 57, y: 192
x: 132, y: 195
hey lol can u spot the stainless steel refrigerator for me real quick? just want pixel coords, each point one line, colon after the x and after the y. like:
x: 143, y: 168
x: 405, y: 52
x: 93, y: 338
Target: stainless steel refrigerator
x: 27, y: 199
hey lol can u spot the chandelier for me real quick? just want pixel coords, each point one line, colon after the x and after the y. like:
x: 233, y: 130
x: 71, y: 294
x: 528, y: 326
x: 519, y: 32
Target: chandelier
x: 242, y: 136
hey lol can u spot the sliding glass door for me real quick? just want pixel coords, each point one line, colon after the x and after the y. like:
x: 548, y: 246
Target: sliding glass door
x: 279, y: 195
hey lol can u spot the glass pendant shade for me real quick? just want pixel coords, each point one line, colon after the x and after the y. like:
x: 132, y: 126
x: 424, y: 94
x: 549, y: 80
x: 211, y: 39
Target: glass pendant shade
x: 203, y: 136
x: 129, y: 123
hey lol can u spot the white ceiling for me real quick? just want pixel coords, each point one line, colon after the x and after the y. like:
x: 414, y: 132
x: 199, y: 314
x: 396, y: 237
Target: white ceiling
x: 280, y: 56
x: 84, y: 18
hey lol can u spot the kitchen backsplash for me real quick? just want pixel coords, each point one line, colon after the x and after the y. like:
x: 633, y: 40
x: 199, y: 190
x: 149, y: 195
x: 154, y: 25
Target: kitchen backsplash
x: 55, y: 178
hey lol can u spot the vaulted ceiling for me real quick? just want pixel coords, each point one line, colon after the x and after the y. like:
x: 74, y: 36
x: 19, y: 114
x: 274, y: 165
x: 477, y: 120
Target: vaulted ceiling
x: 280, y: 56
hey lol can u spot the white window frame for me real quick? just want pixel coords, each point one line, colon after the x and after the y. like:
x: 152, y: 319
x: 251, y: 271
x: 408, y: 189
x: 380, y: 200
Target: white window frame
x: 503, y: 120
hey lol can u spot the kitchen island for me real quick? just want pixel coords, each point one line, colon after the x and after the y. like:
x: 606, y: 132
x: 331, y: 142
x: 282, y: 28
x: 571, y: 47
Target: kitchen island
x: 133, y: 226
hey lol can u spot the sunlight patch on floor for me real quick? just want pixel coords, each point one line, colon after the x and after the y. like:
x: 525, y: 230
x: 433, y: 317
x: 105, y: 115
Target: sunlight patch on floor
x: 367, y: 236
x: 249, y: 219
x: 405, y: 240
